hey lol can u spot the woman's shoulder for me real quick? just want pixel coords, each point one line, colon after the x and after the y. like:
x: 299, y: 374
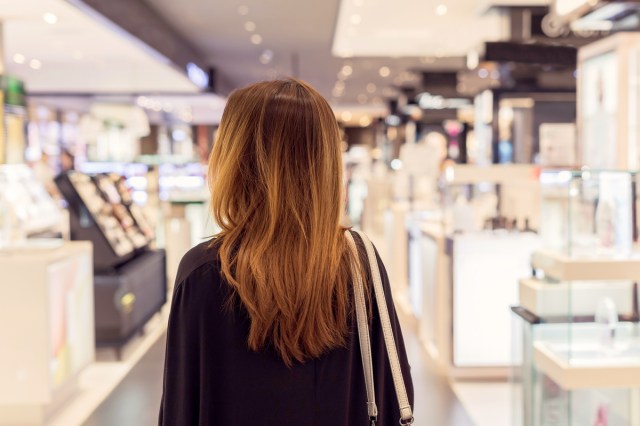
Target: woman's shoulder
x: 202, y: 258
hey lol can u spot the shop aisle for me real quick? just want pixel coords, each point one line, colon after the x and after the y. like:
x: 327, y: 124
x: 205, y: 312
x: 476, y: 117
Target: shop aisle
x: 136, y: 400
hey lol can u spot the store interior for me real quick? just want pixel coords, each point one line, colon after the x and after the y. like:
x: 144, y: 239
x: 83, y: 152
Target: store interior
x: 490, y: 151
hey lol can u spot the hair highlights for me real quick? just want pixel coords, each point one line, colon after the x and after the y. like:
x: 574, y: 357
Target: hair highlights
x: 275, y: 176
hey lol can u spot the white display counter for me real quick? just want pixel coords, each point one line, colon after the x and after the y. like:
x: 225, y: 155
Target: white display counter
x: 46, y: 325
x: 469, y: 282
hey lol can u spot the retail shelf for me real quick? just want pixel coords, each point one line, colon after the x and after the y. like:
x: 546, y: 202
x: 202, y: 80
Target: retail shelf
x: 575, y: 298
x: 590, y: 370
x: 564, y: 268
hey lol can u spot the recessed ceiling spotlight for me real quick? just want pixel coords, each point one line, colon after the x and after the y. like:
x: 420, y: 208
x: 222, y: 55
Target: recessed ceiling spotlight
x: 442, y: 9
x: 362, y: 98
x: 243, y: 10
x: 256, y: 39
x: 35, y: 64
x: 50, y: 18
x: 19, y: 58
x: 339, y: 85
x: 346, y: 116
x: 346, y: 70
x: 356, y: 19
x: 371, y: 88
x: 250, y: 26
x: 384, y: 72
x: 266, y: 57
x: 336, y: 92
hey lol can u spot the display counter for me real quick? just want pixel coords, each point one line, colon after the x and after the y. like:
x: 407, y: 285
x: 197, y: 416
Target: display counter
x: 47, y: 325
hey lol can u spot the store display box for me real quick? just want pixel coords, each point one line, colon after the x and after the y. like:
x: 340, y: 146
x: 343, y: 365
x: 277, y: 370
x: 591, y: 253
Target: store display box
x: 47, y: 326
x: 127, y: 297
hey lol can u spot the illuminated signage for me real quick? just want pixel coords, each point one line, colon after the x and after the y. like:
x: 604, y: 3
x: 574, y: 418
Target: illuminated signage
x: 197, y: 75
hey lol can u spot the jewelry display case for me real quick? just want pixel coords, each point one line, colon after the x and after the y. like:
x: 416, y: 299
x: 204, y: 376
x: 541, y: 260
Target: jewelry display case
x: 576, y: 339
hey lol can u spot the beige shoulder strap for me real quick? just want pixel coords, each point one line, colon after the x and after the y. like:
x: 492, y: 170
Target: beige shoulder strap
x: 406, y: 413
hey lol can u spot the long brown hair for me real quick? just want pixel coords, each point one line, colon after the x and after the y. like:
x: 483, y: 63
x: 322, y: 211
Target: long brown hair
x: 275, y: 176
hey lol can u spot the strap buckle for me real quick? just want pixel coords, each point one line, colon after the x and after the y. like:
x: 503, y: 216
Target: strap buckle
x: 406, y: 422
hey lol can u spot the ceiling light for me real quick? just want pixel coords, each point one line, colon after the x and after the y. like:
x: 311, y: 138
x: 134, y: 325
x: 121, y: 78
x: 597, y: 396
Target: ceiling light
x: 347, y: 70
x: 266, y: 57
x: 371, y: 88
x: 346, y: 116
x: 35, y: 64
x: 362, y: 98
x: 256, y: 39
x: 356, y: 19
x: 339, y: 85
x: 19, y: 58
x: 250, y: 26
x: 142, y: 101
x: 365, y: 121
x: 243, y: 10
x: 441, y: 10
x: 50, y: 18
x: 384, y: 72
x: 336, y: 92
x: 483, y: 73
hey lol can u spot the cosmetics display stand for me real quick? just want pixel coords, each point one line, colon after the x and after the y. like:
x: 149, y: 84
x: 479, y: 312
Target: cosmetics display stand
x: 463, y: 268
x: 130, y: 277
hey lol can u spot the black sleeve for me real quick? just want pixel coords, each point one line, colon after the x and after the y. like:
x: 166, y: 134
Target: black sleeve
x: 181, y: 390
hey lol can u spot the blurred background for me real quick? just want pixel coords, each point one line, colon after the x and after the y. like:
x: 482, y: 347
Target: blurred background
x: 490, y: 151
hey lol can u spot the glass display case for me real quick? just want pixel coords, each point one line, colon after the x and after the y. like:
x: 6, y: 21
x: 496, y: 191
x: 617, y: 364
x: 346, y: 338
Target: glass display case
x: 576, y: 339
x: 588, y: 213
x: 503, y: 197
x: 26, y: 208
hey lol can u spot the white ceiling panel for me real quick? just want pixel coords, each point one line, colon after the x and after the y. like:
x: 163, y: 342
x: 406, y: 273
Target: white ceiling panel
x: 78, y: 53
x: 414, y: 27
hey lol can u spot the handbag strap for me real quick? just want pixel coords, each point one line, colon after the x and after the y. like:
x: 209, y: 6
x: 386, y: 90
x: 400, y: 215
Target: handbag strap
x: 406, y: 413
x: 363, y: 333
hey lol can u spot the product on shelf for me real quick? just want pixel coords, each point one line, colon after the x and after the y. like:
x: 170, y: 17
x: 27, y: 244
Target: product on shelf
x: 99, y: 214
x: 26, y: 205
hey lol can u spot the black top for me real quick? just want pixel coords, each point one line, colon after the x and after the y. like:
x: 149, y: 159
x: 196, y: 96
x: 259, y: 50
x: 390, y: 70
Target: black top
x: 212, y: 378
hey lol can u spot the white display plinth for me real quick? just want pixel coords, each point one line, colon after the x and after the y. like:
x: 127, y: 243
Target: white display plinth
x: 46, y: 325
x: 486, y: 267
x: 564, y: 268
x: 588, y: 372
x: 575, y: 298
